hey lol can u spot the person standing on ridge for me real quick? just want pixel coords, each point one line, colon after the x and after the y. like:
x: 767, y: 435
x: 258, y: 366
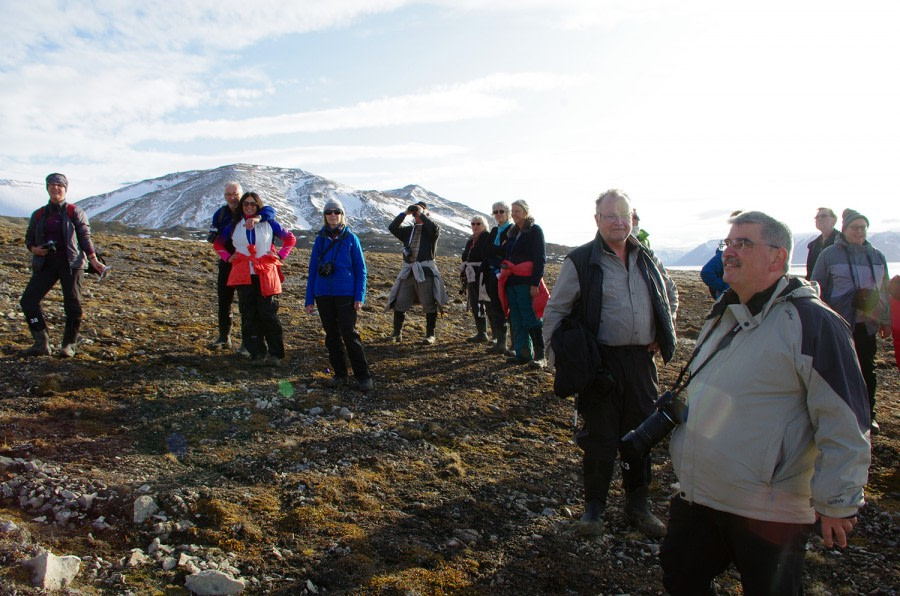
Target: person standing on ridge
x: 59, y: 240
x: 825, y: 222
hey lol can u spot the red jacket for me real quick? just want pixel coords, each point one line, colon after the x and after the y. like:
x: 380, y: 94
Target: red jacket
x: 524, y: 269
x: 267, y: 267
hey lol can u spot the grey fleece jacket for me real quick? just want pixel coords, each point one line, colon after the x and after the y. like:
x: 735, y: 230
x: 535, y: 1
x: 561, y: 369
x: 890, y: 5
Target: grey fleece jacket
x: 777, y: 423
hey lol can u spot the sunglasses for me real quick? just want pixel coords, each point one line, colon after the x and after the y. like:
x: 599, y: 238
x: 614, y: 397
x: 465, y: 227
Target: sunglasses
x: 333, y: 212
x: 498, y: 211
x: 476, y: 223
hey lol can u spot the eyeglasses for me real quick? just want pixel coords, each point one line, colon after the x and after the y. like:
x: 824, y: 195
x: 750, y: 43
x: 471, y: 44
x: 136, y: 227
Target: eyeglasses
x: 498, y: 211
x: 250, y: 204
x: 615, y: 218
x: 232, y: 194
x: 740, y: 244
x: 858, y: 228
x: 823, y: 216
x: 56, y: 185
x: 333, y: 212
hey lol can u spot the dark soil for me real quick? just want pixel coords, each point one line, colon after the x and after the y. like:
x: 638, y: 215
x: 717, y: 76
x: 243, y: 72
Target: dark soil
x: 457, y: 474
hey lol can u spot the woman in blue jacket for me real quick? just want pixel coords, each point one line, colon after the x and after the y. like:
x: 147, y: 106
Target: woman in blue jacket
x: 336, y: 285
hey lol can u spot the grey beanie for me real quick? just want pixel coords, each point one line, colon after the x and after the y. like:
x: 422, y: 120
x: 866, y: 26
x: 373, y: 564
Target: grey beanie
x: 333, y: 204
x: 849, y: 215
x: 57, y: 178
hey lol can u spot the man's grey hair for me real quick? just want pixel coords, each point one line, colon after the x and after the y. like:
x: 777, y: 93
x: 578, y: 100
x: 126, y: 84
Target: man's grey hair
x: 500, y: 205
x: 828, y: 210
x: 235, y: 183
x: 773, y: 231
x: 612, y: 193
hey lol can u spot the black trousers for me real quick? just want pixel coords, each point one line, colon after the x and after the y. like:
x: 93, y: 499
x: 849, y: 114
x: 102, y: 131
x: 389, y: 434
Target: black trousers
x: 494, y: 309
x: 341, y: 337
x: 609, y: 416
x: 866, y: 348
x: 701, y: 542
x: 225, y: 295
x: 473, y: 291
x: 259, y: 319
x: 56, y: 268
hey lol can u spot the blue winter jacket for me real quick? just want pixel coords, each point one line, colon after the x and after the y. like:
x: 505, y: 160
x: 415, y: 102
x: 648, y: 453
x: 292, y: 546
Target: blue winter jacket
x: 711, y: 274
x: 349, y: 276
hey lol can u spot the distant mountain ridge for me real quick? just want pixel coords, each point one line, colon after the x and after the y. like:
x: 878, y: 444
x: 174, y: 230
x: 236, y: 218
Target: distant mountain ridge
x: 188, y: 200
x: 887, y: 242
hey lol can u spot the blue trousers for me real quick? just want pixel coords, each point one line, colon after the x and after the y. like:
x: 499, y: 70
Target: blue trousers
x: 522, y: 319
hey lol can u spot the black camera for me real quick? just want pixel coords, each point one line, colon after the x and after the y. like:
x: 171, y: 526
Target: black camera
x: 326, y: 269
x: 50, y: 246
x: 637, y: 443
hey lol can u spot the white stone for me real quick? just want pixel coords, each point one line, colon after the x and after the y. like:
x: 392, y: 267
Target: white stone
x: 137, y: 558
x: 51, y: 572
x: 144, y: 507
x: 212, y: 582
x: 169, y: 563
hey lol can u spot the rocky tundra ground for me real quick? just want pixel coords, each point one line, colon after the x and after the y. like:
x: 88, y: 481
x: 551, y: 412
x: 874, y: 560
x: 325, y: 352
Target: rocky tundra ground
x: 154, y: 459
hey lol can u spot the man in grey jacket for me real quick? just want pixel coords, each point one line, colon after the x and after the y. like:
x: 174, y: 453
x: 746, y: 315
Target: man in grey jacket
x: 59, y: 239
x: 775, y: 428
x: 630, y: 306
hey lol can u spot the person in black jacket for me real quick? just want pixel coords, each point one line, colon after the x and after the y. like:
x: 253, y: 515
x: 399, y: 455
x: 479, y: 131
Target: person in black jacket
x: 59, y: 239
x: 473, y: 256
x: 419, y: 278
x: 825, y: 222
x: 496, y: 250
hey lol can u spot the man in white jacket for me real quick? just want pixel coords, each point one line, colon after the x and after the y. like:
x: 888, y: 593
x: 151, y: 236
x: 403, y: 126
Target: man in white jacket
x: 774, y: 435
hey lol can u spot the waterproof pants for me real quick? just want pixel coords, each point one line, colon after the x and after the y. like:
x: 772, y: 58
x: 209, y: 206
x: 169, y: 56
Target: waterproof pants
x: 259, y: 320
x: 522, y: 319
x: 56, y: 268
x: 341, y: 337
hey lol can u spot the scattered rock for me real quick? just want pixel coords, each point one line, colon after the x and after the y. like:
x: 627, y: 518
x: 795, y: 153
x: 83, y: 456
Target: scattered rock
x: 144, y: 507
x: 213, y: 582
x: 51, y: 572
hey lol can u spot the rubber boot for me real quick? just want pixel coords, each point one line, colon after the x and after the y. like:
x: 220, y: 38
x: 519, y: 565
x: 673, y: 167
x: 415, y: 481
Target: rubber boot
x: 223, y: 342
x: 512, y: 340
x: 597, y: 478
x: 430, y: 324
x: 499, y: 346
x: 41, y: 345
x: 70, y: 338
x: 399, y: 317
x: 638, y: 514
x: 480, y: 337
x: 537, y: 342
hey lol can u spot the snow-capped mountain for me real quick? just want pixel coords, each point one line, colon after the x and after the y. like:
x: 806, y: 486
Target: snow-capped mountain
x: 189, y: 199
x: 20, y: 199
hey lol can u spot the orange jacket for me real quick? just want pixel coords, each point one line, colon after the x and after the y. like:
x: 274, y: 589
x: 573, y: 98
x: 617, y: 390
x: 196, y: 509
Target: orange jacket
x: 524, y: 269
x: 267, y: 267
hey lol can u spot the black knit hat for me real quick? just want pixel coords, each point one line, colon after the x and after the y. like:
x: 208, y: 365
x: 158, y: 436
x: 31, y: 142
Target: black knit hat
x: 849, y: 215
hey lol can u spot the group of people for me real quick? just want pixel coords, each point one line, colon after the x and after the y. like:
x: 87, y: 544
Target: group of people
x: 772, y: 414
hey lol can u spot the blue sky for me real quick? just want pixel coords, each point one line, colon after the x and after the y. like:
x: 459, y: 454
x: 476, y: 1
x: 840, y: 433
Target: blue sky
x: 695, y: 108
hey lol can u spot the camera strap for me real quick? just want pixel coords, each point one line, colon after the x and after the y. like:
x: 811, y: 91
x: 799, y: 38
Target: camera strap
x: 330, y: 246
x: 723, y: 343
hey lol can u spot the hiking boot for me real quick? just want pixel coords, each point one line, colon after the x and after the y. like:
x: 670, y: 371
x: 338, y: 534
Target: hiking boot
x: 874, y: 429
x: 223, y: 342
x: 592, y: 523
x: 366, y: 385
x: 638, y: 514
x: 397, y: 338
x: 275, y: 361
x: 259, y: 360
x: 481, y: 336
x: 337, y: 382
x: 41, y: 345
x: 67, y: 351
x: 541, y: 363
x: 242, y: 352
x: 429, y: 340
x: 517, y: 360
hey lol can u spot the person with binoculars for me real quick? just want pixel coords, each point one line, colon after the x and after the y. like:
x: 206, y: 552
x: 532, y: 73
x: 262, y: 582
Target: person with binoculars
x: 336, y: 286
x: 771, y: 428
x: 853, y: 277
x: 419, y: 278
x: 59, y: 240
x: 617, y: 279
